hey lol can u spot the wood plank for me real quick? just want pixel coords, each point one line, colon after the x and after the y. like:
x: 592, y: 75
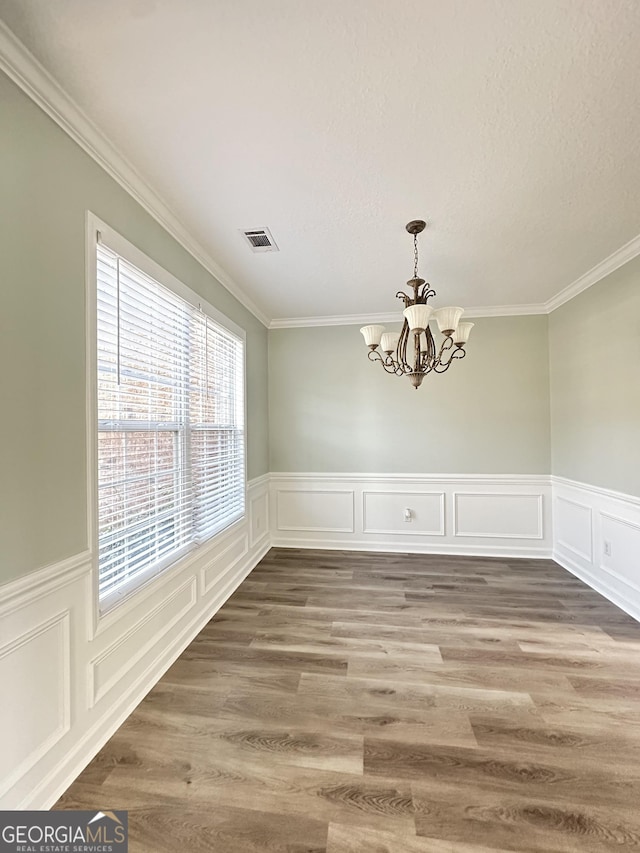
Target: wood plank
x: 345, y: 702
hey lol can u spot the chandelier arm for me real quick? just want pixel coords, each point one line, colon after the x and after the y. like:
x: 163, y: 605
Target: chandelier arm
x: 430, y: 352
x: 389, y: 365
x: 392, y: 366
x: 426, y: 353
x: 446, y: 345
x: 407, y: 299
x: 457, y: 353
x: 442, y: 362
x: 442, y: 367
x: 426, y: 293
x: 402, y: 347
x: 374, y: 355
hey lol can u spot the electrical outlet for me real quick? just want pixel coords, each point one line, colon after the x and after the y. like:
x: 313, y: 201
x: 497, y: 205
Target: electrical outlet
x: 408, y: 514
x: 607, y: 548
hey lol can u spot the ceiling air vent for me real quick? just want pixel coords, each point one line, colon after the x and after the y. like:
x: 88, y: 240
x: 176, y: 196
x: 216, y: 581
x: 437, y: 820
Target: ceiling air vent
x: 260, y: 240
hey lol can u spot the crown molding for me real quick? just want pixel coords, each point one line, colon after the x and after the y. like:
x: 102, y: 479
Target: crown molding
x: 334, y: 320
x: 615, y: 260
x: 607, y: 266
x: 35, y: 81
x: 507, y: 310
x: 365, y: 319
x: 23, y: 68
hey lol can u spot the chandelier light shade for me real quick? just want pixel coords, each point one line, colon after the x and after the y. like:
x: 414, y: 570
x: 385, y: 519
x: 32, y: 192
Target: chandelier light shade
x: 417, y: 316
x: 372, y: 335
x: 413, y: 351
x: 389, y: 341
x: 447, y: 319
x: 461, y: 335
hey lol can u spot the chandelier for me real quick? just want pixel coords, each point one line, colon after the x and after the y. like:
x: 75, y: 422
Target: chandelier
x: 413, y: 351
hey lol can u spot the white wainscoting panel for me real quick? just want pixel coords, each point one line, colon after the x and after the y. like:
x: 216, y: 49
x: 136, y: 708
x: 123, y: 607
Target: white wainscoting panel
x: 384, y: 512
x: 588, y: 523
x: 223, y: 561
x: 498, y: 516
x: 454, y: 514
x: 67, y: 684
x: 41, y: 705
x: 259, y: 515
x: 623, y: 561
x: 111, y: 666
x: 574, y: 523
x: 315, y: 510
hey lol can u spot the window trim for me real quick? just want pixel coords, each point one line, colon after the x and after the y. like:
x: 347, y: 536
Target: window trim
x: 118, y: 604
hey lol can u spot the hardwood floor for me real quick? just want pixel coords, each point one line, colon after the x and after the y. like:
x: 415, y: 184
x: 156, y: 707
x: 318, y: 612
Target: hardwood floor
x: 347, y: 702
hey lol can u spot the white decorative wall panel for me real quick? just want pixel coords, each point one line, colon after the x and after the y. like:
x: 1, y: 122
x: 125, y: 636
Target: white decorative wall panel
x: 223, y: 562
x: 315, y: 510
x: 91, y: 679
x: 623, y: 538
x: 498, y: 516
x: 597, y: 537
x: 384, y: 512
x: 502, y: 516
x: 259, y: 514
x: 36, y: 696
x: 574, y: 524
x: 127, y: 650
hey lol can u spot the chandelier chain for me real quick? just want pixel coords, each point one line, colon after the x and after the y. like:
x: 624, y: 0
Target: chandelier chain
x: 415, y: 256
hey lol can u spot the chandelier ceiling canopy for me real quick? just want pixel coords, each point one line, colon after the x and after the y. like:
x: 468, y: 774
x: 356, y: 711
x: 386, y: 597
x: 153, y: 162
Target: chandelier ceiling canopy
x: 413, y: 351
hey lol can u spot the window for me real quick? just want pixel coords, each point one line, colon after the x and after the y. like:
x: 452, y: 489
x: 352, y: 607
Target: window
x: 170, y: 417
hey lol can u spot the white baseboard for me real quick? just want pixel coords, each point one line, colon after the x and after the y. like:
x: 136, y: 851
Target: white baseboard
x: 450, y: 514
x: 586, y: 519
x: 630, y: 603
x: 49, y: 640
x: 411, y: 548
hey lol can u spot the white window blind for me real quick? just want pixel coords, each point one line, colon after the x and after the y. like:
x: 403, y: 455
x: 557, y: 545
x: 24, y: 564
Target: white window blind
x: 170, y: 396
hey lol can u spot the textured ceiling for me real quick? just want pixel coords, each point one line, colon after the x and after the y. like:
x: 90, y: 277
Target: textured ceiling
x: 511, y: 126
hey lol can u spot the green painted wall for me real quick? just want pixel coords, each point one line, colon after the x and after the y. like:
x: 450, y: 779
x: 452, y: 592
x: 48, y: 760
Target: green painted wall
x: 496, y: 412
x: 595, y: 383
x: 331, y: 410
x: 46, y: 184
